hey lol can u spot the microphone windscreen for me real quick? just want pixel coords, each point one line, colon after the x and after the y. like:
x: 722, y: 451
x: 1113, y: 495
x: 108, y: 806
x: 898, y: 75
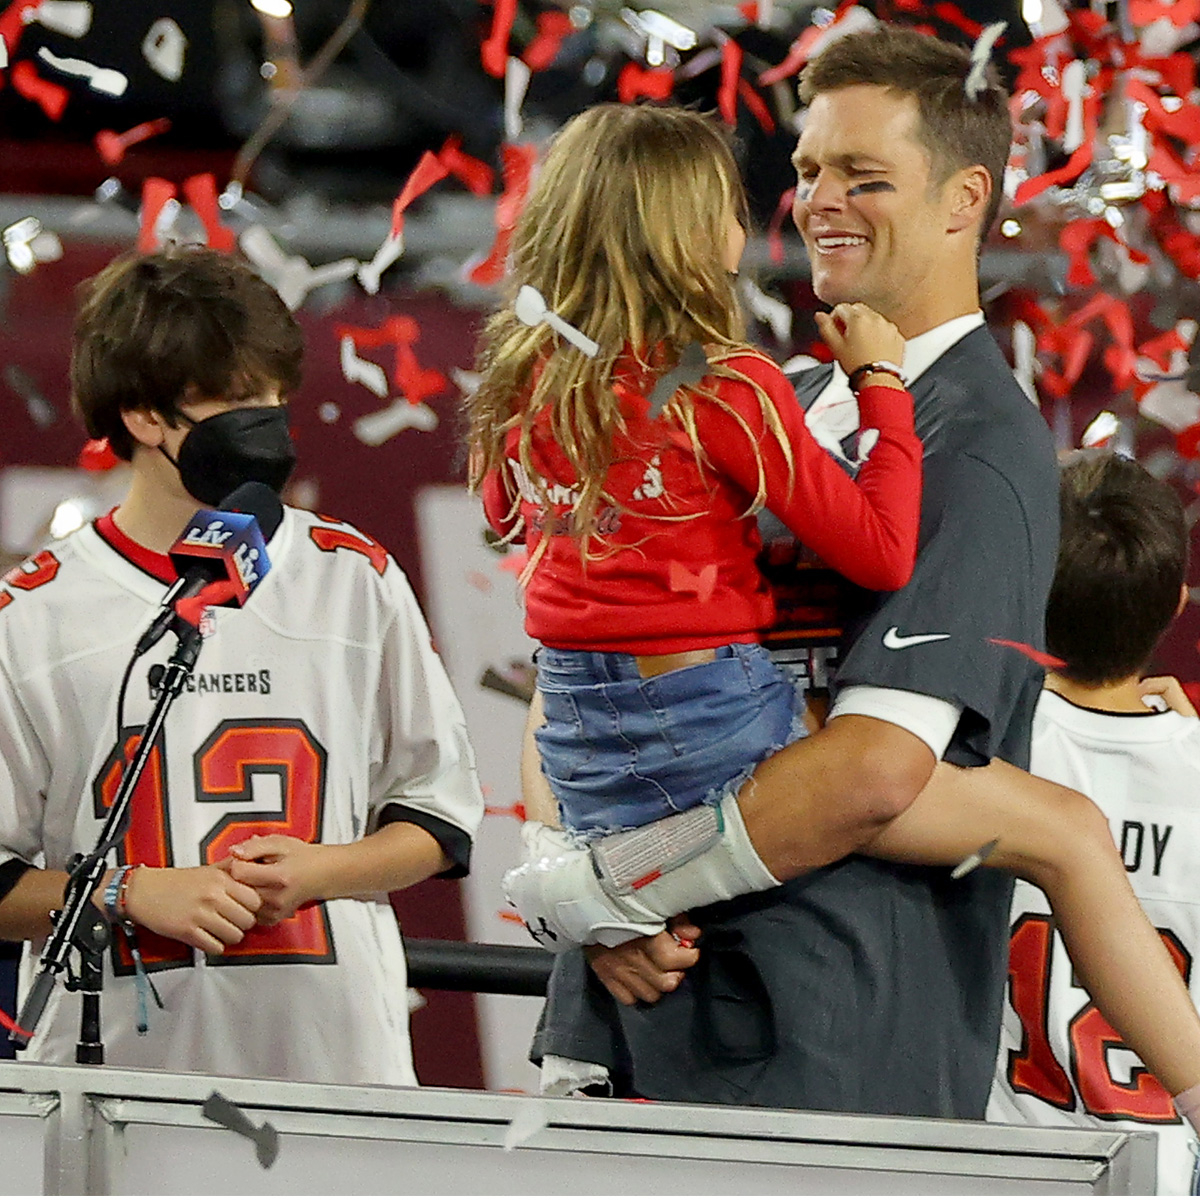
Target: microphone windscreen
x: 258, y: 501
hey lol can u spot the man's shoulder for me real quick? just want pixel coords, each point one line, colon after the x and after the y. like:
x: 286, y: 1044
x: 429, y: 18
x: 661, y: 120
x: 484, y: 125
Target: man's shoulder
x: 990, y: 410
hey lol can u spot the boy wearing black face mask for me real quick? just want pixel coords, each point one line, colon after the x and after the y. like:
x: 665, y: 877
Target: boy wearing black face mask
x: 317, y: 760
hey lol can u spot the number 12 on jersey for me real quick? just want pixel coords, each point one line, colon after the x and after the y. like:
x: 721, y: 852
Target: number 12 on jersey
x: 224, y: 768
x: 1034, y: 1070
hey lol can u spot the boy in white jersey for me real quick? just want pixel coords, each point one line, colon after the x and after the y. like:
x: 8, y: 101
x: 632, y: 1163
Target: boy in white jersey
x: 1118, y: 585
x: 317, y: 760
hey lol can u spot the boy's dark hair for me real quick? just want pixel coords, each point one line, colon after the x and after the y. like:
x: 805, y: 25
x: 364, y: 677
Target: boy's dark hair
x: 955, y: 130
x: 1121, y: 563
x: 182, y: 323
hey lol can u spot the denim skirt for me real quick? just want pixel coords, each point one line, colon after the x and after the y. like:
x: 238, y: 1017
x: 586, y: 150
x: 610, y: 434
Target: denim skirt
x: 620, y: 751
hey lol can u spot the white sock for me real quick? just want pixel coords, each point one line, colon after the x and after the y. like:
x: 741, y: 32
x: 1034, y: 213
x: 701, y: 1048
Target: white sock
x: 719, y: 865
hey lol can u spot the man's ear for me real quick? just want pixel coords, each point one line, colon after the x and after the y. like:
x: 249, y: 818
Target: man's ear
x: 971, y: 191
x: 145, y: 426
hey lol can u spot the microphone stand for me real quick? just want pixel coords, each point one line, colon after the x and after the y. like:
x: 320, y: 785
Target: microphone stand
x: 80, y: 924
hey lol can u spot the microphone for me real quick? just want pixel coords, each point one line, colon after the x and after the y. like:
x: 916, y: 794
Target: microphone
x: 221, y: 557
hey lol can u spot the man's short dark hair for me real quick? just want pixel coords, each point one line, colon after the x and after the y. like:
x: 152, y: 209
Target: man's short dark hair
x: 1121, y: 564
x: 955, y: 130
x: 182, y: 323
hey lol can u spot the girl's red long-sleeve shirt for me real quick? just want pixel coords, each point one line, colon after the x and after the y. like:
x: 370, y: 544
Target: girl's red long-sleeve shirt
x: 658, y: 584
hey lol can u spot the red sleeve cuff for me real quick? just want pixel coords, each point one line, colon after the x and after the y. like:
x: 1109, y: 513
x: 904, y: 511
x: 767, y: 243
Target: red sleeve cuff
x: 881, y: 407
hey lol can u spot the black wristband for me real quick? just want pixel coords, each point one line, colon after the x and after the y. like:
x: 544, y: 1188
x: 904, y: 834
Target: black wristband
x: 856, y: 376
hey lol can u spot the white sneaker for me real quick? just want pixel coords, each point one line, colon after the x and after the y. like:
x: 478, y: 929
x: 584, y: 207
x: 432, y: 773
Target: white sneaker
x: 559, y: 897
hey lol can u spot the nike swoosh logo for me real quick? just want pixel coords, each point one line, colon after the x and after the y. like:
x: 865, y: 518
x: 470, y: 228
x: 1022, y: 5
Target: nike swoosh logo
x: 893, y: 641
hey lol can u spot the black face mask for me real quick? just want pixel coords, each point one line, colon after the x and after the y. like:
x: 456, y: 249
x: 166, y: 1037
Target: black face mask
x: 242, y: 445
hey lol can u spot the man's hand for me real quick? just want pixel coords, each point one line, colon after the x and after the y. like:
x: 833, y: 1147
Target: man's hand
x: 202, y: 906
x: 647, y: 967
x: 285, y: 872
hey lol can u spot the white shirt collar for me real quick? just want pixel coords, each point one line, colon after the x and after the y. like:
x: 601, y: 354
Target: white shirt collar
x: 921, y: 352
x: 834, y: 414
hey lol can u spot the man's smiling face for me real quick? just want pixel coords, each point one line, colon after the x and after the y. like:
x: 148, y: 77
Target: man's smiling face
x: 876, y: 229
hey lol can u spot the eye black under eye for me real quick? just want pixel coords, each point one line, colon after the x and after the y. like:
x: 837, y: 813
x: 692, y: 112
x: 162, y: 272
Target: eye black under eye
x: 870, y: 185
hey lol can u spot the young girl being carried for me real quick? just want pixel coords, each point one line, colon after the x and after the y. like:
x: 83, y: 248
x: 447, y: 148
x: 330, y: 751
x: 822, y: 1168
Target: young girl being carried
x: 633, y: 477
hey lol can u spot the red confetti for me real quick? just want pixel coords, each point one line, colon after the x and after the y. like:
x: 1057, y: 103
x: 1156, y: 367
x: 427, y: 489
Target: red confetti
x: 494, y: 51
x: 518, y: 170
x: 97, y: 455
x: 1038, y: 656
x: 13, y: 1027
x: 155, y: 194
x: 201, y: 194
x: 754, y: 102
x: 112, y: 146
x: 513, y: 810
x: 51, y: 96
x: 553, y: 28
x: 1159, y: 349
x: 1075, y: 165
x: 12, y: 23
x: 476, y: 175
x: 1187, y: 442
x: 429, y: 170
x: 775, y: 227
x: 702, y: 583
x: 514, y: 564
x: 950, y: 14
x: 801, y: 49
x: 1178, y: 12
x: 731, y: 72
x: 1078, y: 237
x: 410, y: 378
x: 636, y: 83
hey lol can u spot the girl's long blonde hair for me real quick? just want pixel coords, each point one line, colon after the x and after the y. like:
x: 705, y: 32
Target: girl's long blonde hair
x: 624, y: 236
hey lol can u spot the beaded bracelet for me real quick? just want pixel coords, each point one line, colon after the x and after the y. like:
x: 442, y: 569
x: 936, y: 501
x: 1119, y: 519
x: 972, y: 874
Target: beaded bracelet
x: 117, y: 892
x: 856, y: 376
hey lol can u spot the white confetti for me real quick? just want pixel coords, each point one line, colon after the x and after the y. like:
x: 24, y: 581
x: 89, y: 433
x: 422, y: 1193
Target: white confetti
x: 1024, y: 343
x: 977, y: 859
x: 378, y: 427
x: 981, y: 52
x: 1074, y: 83
x: 290, y: 275
x: 1101, y: 431
x: 532, y: 1117
x: 369, y: 274
x: 766, y: 308
x: 516, y: 82
x: 360, y: 370
x: 164, y: 47
x: 70, y: 17
x: 100, y: 79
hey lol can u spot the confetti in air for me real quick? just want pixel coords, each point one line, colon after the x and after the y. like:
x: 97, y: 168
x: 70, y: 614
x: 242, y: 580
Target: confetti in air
x: 532, y: 1117
x: 691, y: 368
x: 265, y: 1137
x: 981, y: 52
x: 977, y: 859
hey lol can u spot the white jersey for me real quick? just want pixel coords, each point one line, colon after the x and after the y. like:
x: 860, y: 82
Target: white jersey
x: 310, y: 710
x: 1060, y: 1062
